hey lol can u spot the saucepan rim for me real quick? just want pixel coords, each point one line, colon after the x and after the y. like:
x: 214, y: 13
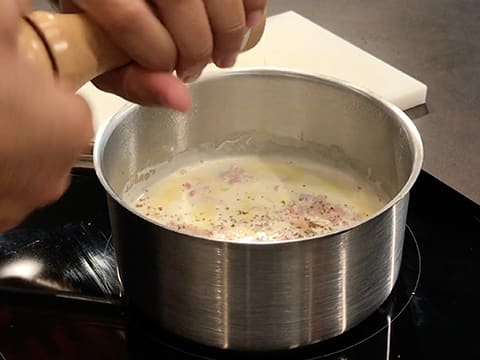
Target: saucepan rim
x: 106, y: 129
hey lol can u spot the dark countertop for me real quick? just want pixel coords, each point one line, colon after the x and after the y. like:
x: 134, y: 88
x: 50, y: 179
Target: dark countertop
x: 435, y: 41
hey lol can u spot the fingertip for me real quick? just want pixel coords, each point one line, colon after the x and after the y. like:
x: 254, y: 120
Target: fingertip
x: 181, y: 100
x: 144, y: 87
x: 254, y: 18
x: 226, y: 61
x: 175, y: 95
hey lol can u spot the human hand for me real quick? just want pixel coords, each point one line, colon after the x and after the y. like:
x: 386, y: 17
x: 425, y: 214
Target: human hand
x: 44, y: 128
x: 167, y: 35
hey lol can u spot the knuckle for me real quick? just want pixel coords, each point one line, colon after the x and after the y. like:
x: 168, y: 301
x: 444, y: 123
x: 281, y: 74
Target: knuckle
x: 235, y: 30
x: 198, y: 56
x: 166, y: 60
x: 229, y: 40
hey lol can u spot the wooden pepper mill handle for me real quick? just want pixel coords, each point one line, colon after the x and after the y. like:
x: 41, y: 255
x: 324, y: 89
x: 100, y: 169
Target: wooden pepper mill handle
x: 73, y: 49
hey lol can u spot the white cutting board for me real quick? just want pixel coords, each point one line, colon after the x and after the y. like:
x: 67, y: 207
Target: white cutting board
x: 311, y: 48
x: 314, y: 49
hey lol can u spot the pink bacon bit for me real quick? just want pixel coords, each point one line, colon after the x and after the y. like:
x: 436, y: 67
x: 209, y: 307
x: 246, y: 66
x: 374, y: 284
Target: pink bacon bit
x: 294, y: 215
x: 297, y: 213
x: 188, y: 186
x: 299, y: 222
x: 295, y: 209
x: 234, y: 175
x: 196, y: 189
x: 314, y: 205
x: 336, y: 214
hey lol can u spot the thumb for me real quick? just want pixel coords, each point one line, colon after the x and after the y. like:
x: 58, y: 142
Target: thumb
x: 146, y: 87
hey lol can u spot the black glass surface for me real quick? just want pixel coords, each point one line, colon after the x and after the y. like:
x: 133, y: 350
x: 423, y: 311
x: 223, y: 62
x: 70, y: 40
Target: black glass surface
x: 60, y: 295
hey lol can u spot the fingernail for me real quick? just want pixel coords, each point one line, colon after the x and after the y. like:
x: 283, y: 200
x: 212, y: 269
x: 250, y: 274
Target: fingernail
x: 191, y: 77
x: 246, y: 37
x: 228, y: 60
x: 254, y: 18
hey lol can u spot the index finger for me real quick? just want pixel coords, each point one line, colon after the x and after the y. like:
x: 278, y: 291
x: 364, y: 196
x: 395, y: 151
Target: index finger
x: 135, y: 29
x: 227, y: 19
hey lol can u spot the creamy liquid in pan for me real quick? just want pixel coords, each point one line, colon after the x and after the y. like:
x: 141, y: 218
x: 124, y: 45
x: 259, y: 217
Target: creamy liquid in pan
x: 258, y: 198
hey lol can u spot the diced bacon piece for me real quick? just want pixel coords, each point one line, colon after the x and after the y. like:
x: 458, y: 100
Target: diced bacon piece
x: 195, y: 188
x: 313, y: 204
x: 336, y: 214
x: 293, y: 210
x: 235, y: 175
x: 301, y: 223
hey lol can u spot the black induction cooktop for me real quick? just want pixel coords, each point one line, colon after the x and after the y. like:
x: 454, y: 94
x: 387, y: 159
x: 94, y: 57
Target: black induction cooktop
x: 60, y: 297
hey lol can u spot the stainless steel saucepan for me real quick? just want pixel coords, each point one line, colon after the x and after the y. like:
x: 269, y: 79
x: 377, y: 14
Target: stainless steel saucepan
x: 261, y: 296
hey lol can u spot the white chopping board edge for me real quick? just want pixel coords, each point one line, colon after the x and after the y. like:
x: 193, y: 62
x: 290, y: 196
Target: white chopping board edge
x: 291, y: 41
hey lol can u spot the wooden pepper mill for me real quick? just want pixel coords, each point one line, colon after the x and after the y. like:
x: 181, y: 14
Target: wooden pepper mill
x: 73, y: 49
